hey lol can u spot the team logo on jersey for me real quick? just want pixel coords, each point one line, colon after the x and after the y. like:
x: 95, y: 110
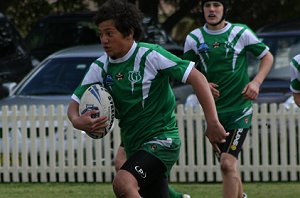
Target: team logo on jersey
x: 154, y: 147
x: 108, y: 81
x: 228, y: 45
x: 134, y: 76
x: 203, y: 48
x: 119, y: 76
x: 216, y: 45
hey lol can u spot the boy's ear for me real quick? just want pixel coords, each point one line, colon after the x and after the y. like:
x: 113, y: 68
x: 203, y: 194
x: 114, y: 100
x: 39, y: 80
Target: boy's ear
x: 130, y: 35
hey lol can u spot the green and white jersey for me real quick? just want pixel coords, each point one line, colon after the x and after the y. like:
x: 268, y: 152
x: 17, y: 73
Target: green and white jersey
x: 295, y: 74
x: 221, y: 56
x: 139, y: 85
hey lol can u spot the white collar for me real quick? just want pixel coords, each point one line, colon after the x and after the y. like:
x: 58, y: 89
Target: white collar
x: 216, y: 32
x: 126, y: 56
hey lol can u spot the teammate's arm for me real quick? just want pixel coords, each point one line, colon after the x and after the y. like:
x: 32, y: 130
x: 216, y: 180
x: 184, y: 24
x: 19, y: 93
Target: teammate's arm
x: 251, y: 90
x: 215, y: 131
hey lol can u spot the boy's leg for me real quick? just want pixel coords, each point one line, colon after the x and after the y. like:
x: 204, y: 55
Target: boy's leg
x: 148, y: 171
x: 232, y: 184
x: 174, y: 194
x: 120, y: 160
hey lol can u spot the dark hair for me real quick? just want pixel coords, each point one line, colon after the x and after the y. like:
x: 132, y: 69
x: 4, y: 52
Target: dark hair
x: 126, y: 16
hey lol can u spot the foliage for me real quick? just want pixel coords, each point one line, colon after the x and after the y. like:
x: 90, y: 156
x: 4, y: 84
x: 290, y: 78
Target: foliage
x: 257, y: 13
x: 26, y: 12
x: 254, y: 13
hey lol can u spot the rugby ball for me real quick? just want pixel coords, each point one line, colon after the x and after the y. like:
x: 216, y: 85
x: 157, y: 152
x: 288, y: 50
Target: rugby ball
x: 97, y: 97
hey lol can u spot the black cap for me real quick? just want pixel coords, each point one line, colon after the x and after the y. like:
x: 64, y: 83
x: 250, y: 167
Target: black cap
x: 226, y: 3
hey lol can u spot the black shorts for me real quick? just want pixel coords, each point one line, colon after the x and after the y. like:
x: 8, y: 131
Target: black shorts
x: 234, y: 142
x: 149, y: 172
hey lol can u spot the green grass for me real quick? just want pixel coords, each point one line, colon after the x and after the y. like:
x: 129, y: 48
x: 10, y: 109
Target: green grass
x: 104, y: 190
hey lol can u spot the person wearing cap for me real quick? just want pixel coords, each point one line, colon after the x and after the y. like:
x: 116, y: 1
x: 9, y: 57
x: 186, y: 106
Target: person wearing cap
x: 295, y: 78
x: 220, y: 49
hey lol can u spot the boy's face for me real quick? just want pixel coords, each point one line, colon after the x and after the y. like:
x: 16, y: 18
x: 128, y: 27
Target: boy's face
x: 113, y: 42
x: 213, y: 12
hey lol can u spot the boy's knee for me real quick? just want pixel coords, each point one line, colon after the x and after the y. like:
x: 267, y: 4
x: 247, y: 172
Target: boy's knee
x: 123, y: 185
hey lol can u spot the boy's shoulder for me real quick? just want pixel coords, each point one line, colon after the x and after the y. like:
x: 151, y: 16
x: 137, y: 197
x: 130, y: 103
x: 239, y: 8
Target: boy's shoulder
x: 240, y: 25
x: 151, y: 46
x: 148, y: 45
x: 297, y: 58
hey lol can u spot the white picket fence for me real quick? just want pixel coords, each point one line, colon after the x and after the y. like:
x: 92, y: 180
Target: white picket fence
x: 39, y: 144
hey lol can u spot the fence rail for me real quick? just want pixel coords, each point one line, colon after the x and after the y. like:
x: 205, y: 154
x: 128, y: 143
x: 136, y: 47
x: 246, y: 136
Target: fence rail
x: 39, y: 144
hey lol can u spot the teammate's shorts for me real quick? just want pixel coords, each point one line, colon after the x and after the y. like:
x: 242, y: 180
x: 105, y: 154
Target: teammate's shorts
x: 237, y: 123
x: 236, y: 119
x: 149, y: 171
x: 234, y: 142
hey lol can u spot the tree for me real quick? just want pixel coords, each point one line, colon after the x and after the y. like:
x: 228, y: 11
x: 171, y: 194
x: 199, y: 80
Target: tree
x: 185, y: 7
x: 25, y: 13
x: 255, y: 13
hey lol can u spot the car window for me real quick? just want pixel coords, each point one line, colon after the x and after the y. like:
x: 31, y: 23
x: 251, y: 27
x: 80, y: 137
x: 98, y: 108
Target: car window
x: 56, y: 77
x: 283, y: 48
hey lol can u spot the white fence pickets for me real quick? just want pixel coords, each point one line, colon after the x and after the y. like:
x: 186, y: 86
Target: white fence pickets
x: 39, y: 144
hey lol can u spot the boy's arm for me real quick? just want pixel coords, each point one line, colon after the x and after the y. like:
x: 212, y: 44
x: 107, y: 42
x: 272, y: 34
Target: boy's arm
x: 251, y: 90
x: 215, y: 131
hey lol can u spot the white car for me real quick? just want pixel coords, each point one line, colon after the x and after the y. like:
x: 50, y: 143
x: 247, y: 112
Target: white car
x: 54, y: 79
x: 50, y: 83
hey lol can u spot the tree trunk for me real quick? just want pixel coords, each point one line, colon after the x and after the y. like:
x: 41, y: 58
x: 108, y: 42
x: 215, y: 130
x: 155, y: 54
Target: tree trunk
x: 149, y: 8
x: 185, y: 7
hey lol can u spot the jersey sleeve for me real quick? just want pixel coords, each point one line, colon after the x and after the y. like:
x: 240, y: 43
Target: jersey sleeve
x: 168, y: 64
x: 190, y: 48
x: 253, y: 44
x: 95, y: 74
x: 295, y: 74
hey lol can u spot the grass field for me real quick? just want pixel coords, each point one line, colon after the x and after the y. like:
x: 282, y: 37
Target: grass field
x: 104, y: 190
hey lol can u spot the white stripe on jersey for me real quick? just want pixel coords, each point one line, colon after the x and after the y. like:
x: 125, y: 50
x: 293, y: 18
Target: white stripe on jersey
x: 247, y: 111
x: 237, y: 48
x: 235, y: 30
x: 93, y: 74
x: 104, y: 59
x: 191, y: 44
x: 155, y: 62
x: 295, y: 73
x: 149, y: 73
x: 158, y: 61
x: 247, y: 38
x: 188, y: 71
